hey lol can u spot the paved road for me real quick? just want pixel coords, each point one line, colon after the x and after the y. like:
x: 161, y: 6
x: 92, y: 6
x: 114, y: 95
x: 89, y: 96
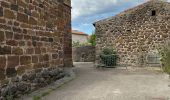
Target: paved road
x: 113, y: 84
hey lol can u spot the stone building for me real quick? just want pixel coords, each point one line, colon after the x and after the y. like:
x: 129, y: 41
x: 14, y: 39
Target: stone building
x: 136, y: 33
x: 35, y: 43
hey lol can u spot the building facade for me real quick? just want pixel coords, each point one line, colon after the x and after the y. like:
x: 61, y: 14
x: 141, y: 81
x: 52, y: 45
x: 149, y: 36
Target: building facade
x: 80, y: 37
x: 136, y: 33
x: 35, y: 43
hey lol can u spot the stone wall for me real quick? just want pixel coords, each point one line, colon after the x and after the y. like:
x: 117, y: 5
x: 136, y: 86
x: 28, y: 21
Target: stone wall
x: 84, y: 54
x: 135, y: 32
x: 35, y: 43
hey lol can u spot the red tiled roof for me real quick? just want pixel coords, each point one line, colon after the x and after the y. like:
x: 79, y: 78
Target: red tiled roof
x: 79, y: 32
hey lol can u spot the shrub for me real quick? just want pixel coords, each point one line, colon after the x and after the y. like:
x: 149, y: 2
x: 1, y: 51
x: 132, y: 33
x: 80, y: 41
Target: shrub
x: 109, y: 57
x: 78, y: 44
x: 165, y: 57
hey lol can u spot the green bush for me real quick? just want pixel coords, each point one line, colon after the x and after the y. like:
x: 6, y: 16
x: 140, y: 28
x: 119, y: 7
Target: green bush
x: 78, y: 44
x: 109, y: 57
x: 92, y: 40
x: 165, y: 57
x: 108, y: 51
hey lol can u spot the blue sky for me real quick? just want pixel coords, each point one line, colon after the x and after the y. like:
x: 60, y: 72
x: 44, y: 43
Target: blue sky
x: 86, y: 12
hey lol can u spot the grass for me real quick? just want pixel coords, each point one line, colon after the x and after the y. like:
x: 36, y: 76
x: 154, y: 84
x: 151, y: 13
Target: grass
x: 36, y: 98
x: 47, y: 92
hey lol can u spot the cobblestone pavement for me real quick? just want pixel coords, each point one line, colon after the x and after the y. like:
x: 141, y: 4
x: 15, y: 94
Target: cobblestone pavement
x: 113, y: 84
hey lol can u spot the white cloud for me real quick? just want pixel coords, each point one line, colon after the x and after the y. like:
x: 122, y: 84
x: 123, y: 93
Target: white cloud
x: 86, y: 12
x: 88, y: 7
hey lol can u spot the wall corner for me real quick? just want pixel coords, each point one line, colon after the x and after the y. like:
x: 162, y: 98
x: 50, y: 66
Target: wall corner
x: 67, y: 2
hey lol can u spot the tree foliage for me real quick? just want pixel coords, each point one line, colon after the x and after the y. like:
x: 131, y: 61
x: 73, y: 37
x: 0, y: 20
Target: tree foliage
x: 92, y: 40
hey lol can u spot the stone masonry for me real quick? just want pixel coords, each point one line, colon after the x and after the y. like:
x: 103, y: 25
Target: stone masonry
x: 35, y: 44
x: 83, y: 54
x: 136, y: 32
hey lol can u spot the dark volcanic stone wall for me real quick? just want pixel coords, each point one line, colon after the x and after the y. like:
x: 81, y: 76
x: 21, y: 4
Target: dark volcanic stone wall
x: 35, y: 43
x: 135, y: 32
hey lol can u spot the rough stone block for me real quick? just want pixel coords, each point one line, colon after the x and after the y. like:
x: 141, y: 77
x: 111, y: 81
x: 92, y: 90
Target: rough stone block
x: 36, y: 15
x: 5, y: 50
x: 5, y: 4
x: 55, y: 56
x: 3, y: 62
x: 1, y: 12
x: 16, y: 23
x: 9, y: 14
x: 29, y: 43
x: 30, y: 51
x: 2, y: 20
x: 13, y: 61
x: 32, y: 21
x: 37, y: 66
x: 18, y: 36
x: 35, y: 38
x: 10, y: 23
x: 39, y: 44
x: 27, y: 11
x: 17, y: 30
x: 21, y: 69
x: 41, y: 5
x: 21, y: 43
x: 5, y: 27
x: 44, y: 39
x: 25, y: 31
x: 22, y: 3
x: 9, y: 35
x: 51, y: 39
x: 37, y: 50
x: 41, y: 58
x: 14, y: 7
x: 22, y: 17
x: 2, y: 36
x: 27, y: 37
x: 43, y: 50
x: 25, y: 60
x: 17, y: 51
x: 2, y: 74
x: 34, y: 59
x: 11, y: 72
x: 46, y: 57
x: 34, y: 43
x: 12, y: 42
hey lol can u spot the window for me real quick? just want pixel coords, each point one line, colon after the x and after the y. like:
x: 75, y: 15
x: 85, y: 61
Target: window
x: 153, y: 13
x: 128, y: 30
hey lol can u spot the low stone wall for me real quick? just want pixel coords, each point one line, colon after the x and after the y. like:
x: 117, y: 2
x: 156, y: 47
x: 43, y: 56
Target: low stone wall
x: 84, y: 54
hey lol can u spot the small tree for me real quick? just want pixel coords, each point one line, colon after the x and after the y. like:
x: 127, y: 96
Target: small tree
x: 92, y: 40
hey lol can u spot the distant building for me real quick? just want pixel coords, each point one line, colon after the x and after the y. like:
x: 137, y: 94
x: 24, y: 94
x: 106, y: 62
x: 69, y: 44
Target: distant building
x: 78, y: 36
